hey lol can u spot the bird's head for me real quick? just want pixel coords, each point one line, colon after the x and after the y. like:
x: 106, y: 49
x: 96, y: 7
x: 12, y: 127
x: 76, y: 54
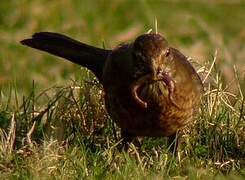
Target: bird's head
x: 150, y: 54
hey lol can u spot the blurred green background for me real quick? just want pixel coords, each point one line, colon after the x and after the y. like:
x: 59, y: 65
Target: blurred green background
x: 197, y: 28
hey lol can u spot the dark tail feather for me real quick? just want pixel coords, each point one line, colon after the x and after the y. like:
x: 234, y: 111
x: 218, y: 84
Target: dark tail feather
x: 88, y: 56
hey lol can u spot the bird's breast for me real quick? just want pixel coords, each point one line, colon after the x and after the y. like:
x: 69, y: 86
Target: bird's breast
x: 161, y: 117
x: 155, y: 94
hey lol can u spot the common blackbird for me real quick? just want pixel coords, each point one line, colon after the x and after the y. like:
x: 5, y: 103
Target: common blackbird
x: 151, y: 89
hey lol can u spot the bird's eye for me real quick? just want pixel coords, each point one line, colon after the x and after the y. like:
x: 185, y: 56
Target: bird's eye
x: 167, y: 53
x: 139, y: 54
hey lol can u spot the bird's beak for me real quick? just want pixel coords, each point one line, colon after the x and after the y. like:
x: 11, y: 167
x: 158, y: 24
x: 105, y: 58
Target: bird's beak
x: 152, y: 68
x: 149, y: 69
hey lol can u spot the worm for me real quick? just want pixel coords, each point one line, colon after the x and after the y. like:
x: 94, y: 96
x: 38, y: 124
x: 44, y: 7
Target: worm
x: 145, y: 79
x: 136, y: 85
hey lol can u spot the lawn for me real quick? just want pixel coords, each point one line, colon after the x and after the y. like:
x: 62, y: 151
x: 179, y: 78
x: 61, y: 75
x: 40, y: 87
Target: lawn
x: 53, y: 123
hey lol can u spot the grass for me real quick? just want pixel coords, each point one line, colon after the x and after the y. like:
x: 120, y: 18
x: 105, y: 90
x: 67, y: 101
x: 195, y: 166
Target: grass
x: 55, y: 127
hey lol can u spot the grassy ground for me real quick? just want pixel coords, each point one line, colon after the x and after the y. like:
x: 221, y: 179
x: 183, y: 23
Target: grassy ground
x: 52, y: 118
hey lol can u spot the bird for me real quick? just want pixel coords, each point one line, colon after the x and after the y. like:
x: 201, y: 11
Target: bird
x: 151, y: 89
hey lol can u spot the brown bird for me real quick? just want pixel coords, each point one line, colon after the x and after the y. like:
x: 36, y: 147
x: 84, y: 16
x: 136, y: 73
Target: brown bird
x: 151, y: 90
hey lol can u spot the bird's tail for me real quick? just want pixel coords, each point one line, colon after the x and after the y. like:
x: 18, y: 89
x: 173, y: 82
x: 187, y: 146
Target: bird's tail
x: 57, y: 44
